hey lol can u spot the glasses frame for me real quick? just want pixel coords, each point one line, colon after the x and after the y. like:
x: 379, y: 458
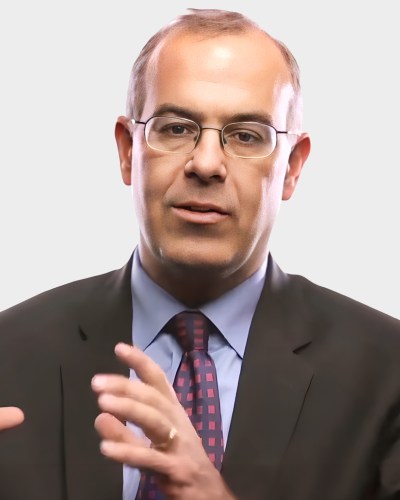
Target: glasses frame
x: 220, y: 130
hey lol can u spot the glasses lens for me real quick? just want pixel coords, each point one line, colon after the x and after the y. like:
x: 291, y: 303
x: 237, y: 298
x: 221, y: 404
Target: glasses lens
x: 172, y: 134
x: 249, y: 139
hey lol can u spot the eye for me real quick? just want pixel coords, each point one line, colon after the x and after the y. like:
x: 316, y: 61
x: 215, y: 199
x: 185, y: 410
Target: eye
x: 243, y: 136
x: 177, y: 129
x: 246, y: 137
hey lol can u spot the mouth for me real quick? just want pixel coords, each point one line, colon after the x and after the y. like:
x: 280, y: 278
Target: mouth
x: 203, y: 208
x: 200, y: 213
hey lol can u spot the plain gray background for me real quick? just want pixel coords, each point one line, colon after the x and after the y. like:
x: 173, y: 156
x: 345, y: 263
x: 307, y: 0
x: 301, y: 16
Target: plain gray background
x: 65, y: 213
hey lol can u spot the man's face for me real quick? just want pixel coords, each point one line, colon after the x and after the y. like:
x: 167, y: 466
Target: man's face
x: 208, y: 211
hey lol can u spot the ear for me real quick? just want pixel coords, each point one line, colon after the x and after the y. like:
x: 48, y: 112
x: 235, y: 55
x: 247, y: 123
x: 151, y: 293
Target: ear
x: 123, y: 136
x: 297, y: 158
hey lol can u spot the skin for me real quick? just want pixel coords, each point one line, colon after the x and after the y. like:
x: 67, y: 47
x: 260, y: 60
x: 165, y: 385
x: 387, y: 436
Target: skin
x: 213, y: 88
x: 184, y: 470
x: 193, y: 259
x: 10, y: 417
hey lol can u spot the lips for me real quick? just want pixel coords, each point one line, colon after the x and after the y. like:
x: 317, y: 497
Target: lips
x: 201, y: 207
x: 200, y: 213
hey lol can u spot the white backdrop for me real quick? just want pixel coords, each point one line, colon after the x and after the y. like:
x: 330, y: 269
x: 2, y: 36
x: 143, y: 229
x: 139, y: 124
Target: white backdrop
x: 65, y: 213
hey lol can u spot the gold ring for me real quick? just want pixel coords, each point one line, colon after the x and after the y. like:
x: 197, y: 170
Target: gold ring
x: 163, y: 446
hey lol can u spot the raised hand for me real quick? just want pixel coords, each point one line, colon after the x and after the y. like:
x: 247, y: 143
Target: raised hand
x: 177, y: 456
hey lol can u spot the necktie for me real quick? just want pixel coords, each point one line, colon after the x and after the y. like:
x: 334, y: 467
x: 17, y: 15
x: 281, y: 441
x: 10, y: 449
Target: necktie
x: 196, y: 388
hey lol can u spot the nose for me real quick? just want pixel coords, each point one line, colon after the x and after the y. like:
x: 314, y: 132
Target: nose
x: 208, y: 157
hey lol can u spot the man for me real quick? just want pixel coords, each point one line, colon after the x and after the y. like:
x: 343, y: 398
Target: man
x: 308, y: 396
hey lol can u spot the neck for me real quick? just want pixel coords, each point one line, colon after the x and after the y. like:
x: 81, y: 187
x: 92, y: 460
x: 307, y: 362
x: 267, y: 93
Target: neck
x: 195, y: 286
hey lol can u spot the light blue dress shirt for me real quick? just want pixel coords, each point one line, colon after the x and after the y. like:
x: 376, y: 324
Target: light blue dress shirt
x: 231, y: 313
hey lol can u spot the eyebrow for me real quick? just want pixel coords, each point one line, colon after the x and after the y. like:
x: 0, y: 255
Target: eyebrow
x: 252, y: 117
x: 167, y: 109
x: 172, y: 109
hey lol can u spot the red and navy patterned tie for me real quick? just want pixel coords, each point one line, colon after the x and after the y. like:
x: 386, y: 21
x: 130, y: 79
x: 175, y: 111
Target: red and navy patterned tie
x: 197, y: 390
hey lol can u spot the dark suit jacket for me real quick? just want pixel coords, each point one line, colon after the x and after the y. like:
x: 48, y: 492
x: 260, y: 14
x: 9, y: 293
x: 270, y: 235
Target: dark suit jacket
x: 316, y: 417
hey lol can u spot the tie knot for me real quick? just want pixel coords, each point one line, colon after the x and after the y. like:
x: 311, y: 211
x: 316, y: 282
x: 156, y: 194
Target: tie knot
x: 191, y: 330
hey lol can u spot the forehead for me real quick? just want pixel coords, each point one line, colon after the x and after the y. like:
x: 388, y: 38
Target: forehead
x: 219, y: 76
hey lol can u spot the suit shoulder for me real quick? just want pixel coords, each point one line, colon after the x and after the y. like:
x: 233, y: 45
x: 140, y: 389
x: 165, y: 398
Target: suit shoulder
x: 62, y: 300
x: 334, y: 308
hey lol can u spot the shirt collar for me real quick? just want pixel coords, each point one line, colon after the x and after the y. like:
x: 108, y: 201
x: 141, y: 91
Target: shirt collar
x: 231, y: 313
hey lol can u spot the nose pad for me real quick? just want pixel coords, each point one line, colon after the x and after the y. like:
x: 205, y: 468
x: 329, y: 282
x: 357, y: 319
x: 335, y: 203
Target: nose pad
x: 208, y: 158
x: 200, y: 136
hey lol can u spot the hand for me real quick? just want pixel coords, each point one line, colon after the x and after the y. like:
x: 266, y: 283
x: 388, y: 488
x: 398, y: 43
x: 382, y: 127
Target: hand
x: 182, y: 466
x: 10, y: 417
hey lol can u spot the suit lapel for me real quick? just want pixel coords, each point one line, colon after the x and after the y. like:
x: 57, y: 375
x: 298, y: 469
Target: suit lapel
x: 105, y: 319
x: 272, y: 388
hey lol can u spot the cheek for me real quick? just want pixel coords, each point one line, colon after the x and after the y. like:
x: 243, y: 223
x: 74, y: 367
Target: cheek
x: 151, y: 180
x: 272, y: 196
x: 145, y: 188
x: 138, y: 189
x: 263, y: 201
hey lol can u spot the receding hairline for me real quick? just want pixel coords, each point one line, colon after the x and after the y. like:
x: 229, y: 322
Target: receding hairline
x: 205, y: 24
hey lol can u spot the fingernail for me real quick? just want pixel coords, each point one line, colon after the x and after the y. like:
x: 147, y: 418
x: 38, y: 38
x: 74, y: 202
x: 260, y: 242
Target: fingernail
x: 123, y: 349
x: 106, y: 447
x: 99, y: 381
x: 105, y: 399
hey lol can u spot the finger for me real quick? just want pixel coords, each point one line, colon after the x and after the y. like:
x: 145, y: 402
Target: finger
x: 136, y: 456
x: 145, y: 368
x: 117, y: 385
x: 154, y: 423
x: 110, y: 428
x: 114, y: 384
x: 10, y: 417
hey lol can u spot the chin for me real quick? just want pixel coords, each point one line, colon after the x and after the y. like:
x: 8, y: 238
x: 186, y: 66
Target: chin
x: 196, y: 259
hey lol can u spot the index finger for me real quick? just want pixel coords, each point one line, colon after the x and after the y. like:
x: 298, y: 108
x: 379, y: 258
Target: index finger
x: 145, y: 368
x: 10, y: 417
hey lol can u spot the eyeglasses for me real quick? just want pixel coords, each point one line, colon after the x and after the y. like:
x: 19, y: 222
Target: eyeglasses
x: 171, y: 134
